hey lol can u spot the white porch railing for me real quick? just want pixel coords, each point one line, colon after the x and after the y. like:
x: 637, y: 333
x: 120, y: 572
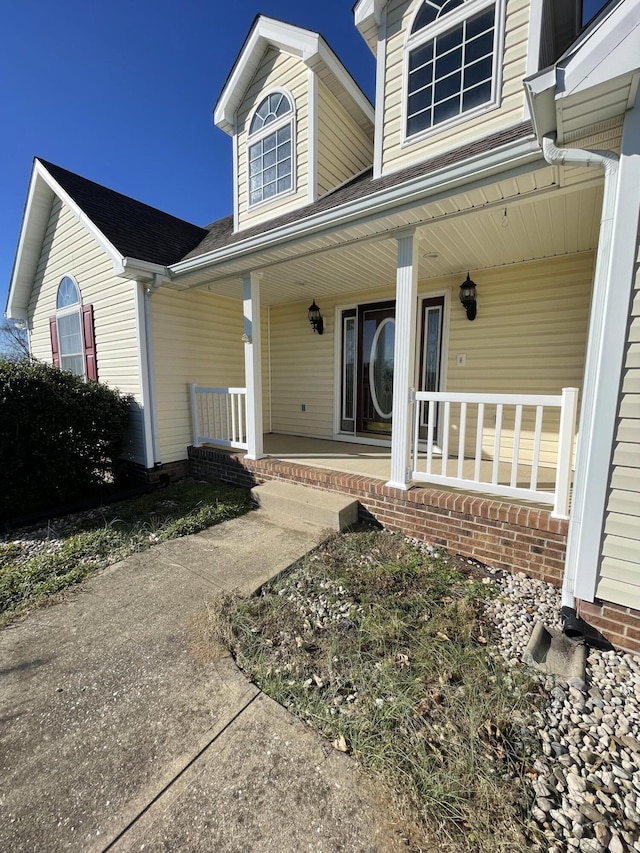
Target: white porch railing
x: 503, y: 455
x: 219, y: 416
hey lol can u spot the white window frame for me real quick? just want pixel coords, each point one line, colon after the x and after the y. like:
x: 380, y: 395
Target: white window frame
x: 76, y: 308
x: 263, y: 133
x: 441, y: 25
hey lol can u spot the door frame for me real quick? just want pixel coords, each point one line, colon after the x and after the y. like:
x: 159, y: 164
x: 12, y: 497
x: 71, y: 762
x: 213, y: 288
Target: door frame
x: 338, y: 435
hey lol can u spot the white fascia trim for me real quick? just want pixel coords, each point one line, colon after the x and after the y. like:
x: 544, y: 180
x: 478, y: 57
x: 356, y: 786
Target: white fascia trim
x: 265, y: 32
x: 12, y: 311
x: 95, y: 232
x: 40, y: 173
x: 381, y: 72
x: 475, y: 168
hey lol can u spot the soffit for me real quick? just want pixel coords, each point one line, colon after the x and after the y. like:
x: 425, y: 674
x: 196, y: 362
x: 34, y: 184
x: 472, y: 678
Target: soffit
x: 468, y: 232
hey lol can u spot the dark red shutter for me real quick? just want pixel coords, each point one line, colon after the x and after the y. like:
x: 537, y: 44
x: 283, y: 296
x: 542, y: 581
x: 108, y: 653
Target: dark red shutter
x: 53, y: 331
x: 90, y: 361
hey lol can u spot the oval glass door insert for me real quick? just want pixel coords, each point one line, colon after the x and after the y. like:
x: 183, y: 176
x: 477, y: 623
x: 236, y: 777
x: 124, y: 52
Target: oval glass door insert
x: 381, y: 367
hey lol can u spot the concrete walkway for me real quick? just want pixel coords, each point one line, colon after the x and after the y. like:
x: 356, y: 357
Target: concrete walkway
x: 123, y: 727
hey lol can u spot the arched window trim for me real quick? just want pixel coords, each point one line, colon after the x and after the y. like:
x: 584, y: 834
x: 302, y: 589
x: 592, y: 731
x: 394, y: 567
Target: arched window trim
x: 449, y: 20
x: 86, y: 334
x: 288, y: 118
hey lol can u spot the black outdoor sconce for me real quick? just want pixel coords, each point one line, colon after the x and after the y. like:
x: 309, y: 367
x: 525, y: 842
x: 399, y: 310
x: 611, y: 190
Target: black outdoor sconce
x: 315, y: 318
x: 468, y: 293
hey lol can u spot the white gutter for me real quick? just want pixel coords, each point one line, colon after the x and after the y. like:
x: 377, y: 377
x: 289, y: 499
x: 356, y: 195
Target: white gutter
x: 372, y: 205
x: 608, y: 161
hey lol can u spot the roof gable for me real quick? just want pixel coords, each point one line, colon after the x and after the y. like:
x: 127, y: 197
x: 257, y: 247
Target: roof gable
x: 310, y: 47
x: 124, y: 227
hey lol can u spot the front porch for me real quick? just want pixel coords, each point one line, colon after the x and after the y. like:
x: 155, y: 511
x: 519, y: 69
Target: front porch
x: 509, y: 535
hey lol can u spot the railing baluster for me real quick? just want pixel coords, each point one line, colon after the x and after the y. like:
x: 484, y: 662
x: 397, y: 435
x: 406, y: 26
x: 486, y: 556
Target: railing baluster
x: 496, y: 445
x: 430, y: 435
x: 194, y: 414
x: 535, y: 462
x: 479, y: 434
x: 416, y: 434
x: 445, y: 437
x: 462, y: 431
x: 234, y: 403
x: 567, y: 429
x: 228, y: 401
x: 242, y: 416
x: 516, y: 447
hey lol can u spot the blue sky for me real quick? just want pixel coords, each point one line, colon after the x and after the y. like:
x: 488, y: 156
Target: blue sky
x: 122, y: 93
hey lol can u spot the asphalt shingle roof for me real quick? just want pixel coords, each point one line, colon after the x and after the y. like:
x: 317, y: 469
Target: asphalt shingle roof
x: 134, y: 228
x: 220, y: 233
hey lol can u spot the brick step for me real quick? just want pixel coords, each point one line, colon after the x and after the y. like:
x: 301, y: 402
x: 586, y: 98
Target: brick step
x: 324, y: 509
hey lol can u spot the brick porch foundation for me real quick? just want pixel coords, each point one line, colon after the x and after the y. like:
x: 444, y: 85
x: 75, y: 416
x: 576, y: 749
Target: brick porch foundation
x: 501, y: 534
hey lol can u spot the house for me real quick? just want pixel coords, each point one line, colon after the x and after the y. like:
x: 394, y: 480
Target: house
x: 432, y: 305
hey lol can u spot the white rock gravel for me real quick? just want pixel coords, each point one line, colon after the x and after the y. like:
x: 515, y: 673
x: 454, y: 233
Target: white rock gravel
x: 587, y: 788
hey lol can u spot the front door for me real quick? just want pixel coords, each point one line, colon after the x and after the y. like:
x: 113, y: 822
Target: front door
x: 368, y: 342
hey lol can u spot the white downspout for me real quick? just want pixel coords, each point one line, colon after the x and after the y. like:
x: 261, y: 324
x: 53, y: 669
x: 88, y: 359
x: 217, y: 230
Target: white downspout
x: 608, y: 161
x: 150, y: 289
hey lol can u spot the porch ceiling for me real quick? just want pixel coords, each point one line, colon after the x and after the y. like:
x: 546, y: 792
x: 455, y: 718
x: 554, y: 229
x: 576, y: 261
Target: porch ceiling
x: 468, y: 232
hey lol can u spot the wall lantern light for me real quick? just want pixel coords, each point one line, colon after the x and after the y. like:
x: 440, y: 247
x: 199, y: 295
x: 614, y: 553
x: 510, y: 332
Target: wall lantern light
x: 468, y: 294
x: 315, y: 318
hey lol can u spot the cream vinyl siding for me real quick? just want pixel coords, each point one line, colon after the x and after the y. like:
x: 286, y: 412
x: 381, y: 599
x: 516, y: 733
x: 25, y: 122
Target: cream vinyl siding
x: 619, y: 579
x: 529, y: 337
x: 276, y: 71
x: 510, y: 109
x: 344, y: 149
x: 69, y: 249
x: 196, y: 338
x: 606, y: 136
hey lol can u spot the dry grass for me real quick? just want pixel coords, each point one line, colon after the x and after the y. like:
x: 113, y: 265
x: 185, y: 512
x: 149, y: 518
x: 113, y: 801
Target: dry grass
x: 384, y: 650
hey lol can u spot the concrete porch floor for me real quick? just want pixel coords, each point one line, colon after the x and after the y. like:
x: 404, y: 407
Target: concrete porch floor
x: 372, y: 461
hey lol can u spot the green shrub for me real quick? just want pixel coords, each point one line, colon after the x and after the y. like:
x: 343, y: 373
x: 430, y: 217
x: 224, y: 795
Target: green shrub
x: 60, y: 437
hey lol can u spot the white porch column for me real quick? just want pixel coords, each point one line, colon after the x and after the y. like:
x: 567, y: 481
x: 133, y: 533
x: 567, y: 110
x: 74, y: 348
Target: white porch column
x: 404, y: 359
x: 252, y: 362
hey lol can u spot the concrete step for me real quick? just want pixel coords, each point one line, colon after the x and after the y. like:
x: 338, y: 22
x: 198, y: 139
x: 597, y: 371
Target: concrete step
x: 324, y: 509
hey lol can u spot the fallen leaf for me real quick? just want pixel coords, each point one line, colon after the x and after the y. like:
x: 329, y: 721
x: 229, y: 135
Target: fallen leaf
x: 319, y: 682
x: 340, y: 744
x: 402, y: 660
x: 299, y: 642
x: 442, y: 636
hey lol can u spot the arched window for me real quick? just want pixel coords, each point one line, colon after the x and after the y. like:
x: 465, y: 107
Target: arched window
x: 72, y: 333
x: 271, y: 148
x: 452, y: 61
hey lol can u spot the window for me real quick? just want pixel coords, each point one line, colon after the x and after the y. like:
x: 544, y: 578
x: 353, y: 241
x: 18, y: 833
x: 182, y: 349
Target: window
x: 72, y: 332
x: 271, y: 149
x: 451, y: 63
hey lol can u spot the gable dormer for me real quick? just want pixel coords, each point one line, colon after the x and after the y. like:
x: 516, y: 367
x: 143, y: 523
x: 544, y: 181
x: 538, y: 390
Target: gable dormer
x: 449, y: 71
x: 300, y: 126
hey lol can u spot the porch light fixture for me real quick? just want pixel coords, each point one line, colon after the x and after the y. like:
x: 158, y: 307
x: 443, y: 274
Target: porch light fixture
x: 468, y: 293
x: 315, y: 318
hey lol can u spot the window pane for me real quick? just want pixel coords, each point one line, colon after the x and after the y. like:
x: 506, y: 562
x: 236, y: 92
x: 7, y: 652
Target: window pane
x: 284, y: 151
x: 269, y: 142
x: 482, y: 46
x: 447, y: 87
x: 420, y: 101
x: 480, y: 23
x: 284, y: 168
x: 67, y: 293
x: 419, y: 122
x: 446, y: 110
x: 284, y: 184
x: 425, y: 16
x: 449, y: 6
x: 269, y: 190
x: 256, y: 196
x: 69, y: 335
x: 74, y: 363
x: 474, y: 97
x: 449, y: 40
x: 420, y: 56
x: 284, y: 134
x: 478, y: 72
x: 449, y: 63
x: 269, y: 158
